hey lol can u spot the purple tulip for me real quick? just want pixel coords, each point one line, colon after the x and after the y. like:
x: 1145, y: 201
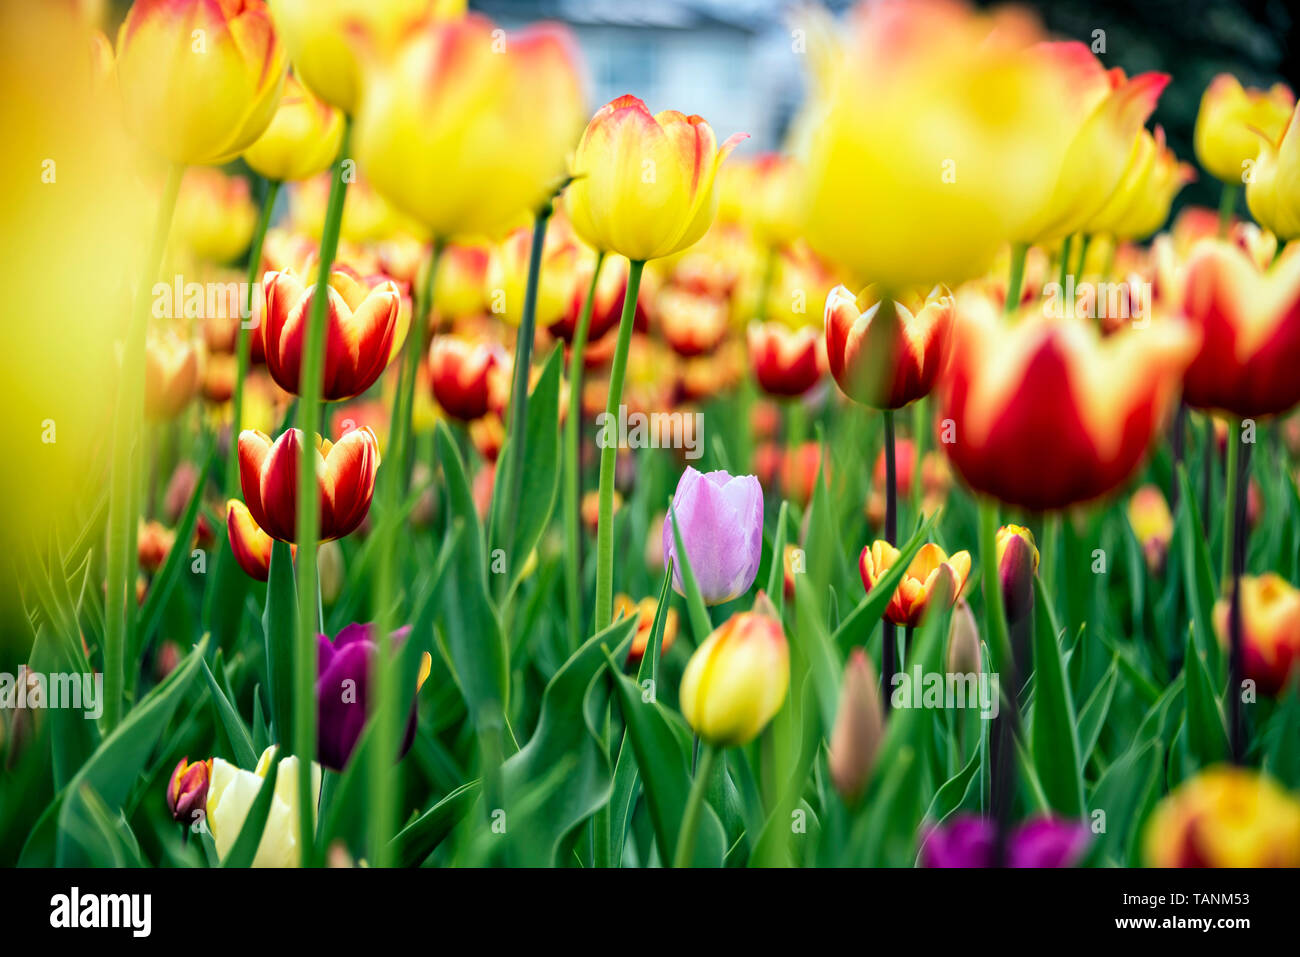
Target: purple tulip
x: 720, y: 518
x: 342, y: 690
x: 968, y: 841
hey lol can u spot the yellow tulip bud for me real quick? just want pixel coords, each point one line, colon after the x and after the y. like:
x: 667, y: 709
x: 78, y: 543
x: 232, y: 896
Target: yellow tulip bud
x: 467, y: 129
x: 231, y: 794
x: 644, y: 183
x: 1226, y: 138
x: 1273, y: 193
x: 302, y: 140
x: 736, y: 681
x: 200, y: 80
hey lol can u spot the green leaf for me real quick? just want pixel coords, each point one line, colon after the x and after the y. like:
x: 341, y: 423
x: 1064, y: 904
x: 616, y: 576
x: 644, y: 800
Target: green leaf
x: 776, y: 571
x: 1207, y: 740
x: 1054, y: 741
x: 421, y: 837
x: 279, y: 627
x: 1093, y: 714
x: 872, y: 607
x: 950, y: 795
x: 1198, y: 574
x: 236, y: 733
x: 244, y: 850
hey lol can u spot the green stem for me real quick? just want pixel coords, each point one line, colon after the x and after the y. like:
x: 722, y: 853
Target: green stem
x: 573, y: 465
x: 609, y: 454
x: 400, y: 441
x: 1084, y: 242
x: 920, y: 420
x: 307, y: 529
x: 243, y: 346
x: 1230, y: 485
x: 1016, y: 281
x: 517, y: 425
x: 992, y: 585
x: 685, y: 852
x: 1227, y: 203
x: 1065, y: 260
x: 124, y: 486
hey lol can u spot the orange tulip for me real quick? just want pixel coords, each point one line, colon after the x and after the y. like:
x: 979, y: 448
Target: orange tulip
x: 171, y: 376
x: 886, y: 355
x: 251, y: 546
x: 1249, y: 322
x: 1270, y: 630
x: 786, y: 361
x: 645, y: 611
x: 933, y: 579
x: 462, y: 371
x: 345, y: 473
x: 1044, y: 413
x: 363, y: 330
x: 153, y: 543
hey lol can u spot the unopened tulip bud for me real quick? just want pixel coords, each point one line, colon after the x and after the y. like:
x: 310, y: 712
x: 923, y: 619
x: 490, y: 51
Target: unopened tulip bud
x: 187, y: 791
x: 963, y: 642
x: 735, y: 682
x: 859, y: 727
x: 1017, y: 566
x: 720, y: 520
x: 329, y: 561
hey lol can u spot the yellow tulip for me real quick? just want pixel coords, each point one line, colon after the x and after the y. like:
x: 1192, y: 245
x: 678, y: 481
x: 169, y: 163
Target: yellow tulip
x: 330, y: 40
x: 736, y: 681
x: 466, y: 129
x: 507, y: 275
x: 1273, y: 193
x: 1225, y: 817
x: 199, y: 79
x: 215, y: 215
x: 1226, y: 139
x: 1140, y: 205
x: 644, y: 183
x: 1099, y: 125
x: 231, y: 794
x: 302, y: 140
x: 931, y: 150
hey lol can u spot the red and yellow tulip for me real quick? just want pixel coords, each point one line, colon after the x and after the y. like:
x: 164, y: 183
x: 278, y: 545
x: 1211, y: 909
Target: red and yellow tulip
x: 1270, y: 630
x: 933, y: 579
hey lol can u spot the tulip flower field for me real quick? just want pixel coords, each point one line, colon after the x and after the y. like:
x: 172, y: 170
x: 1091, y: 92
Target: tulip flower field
x: 420, y: 465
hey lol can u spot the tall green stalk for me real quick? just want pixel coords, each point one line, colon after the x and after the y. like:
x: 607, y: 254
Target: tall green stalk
x: 685, y: 850
x: 1016, y: 281
x: 401, y: 443
x: 244, y: 346
x: 125, y: 481
x: 307, y: 529
x: 609, y: 454
x: 1227, y: 203
x: 517, y: 424
x: 573, y: 464
x: 1230, y: 486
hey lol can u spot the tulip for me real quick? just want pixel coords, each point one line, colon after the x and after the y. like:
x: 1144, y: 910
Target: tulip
x: 645, y: 611
x: 1270, y: 625
x: 251, y: 546
x: 736, y: 681
x: 691, y: 323
x: 180, y: 489
x: 363, y: 331
x: 367, y: 216
x: 153, y: 542
x: 800, y: 467
x: 187, y: 791
x: 720, y: 520
x: 1140, y: 204
x: 373, y: 413
x: 1249, y: 323
x: 859, y: 728
x: 462, y: 374
x: 1017, y: 566
x: 330, y: 569
x: 199, y: 79
x: 1226, y: 139
x: 507, y: 275
x: 1272, y: 193
x: 302, y: 140
x: 970, y: 841
x: 232, y: 793
x: 786, y: 362
x: 1099, y: 125
x: 611, y: 291
x: 927, y: 148
x: 488, y: 434
x: 328, y: 40
x: 644, y: 186
x: 936, y: 479
x: 345, y: 473
x: 465, y: 130
x: 1225, y: 817
x: 887, y: 354
x: 1153, y: 525
x: 171, y: 376
x: 964, y: 641
x: 214, y: 216
x: 343, y: 691
x: 462, y: 283
x: 772, y: 198
x: 1045, y: 413
x: 933, y: 579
